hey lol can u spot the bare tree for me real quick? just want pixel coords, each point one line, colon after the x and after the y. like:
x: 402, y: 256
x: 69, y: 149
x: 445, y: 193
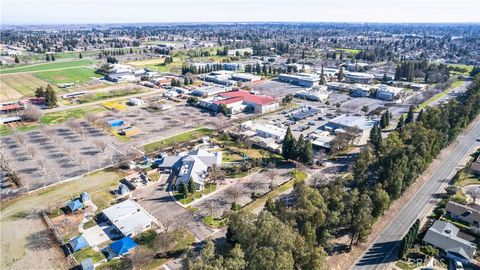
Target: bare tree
x: 91, y: 118
x: 233, y: 193
x: 20, y: 138
x: 32, y: 151
x: 101, y: 145
x: 216, y: 173
x: 211, y: 205
x: 31, y: 113
x: 164, y: 242
x: 141, y: 257
x: 272, y: 174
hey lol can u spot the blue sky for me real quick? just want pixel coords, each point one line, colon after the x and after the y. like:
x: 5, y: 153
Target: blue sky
x: 134, y: 11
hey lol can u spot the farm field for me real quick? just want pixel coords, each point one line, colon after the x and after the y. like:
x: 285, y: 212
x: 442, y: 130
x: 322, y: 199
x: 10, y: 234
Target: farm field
x: 16, y: 86
x: 47, y: 66
x: 71, y: 75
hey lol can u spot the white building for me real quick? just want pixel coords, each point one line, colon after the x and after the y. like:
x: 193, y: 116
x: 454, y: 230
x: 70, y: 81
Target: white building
x: 269, y: 131
x: 129, y: 218
x: 359, y: 90
x: 315, y: 94
x: 386, y: 92
x: 210, y: 90
x: 301, y: 79
x: 359, y: 77
x: 240, y: 52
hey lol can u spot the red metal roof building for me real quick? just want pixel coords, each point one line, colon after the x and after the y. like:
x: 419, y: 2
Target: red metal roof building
x: 240, y: 100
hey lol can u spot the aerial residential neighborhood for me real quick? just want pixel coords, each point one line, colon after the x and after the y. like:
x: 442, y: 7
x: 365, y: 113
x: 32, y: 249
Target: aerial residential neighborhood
x: 240, y: 135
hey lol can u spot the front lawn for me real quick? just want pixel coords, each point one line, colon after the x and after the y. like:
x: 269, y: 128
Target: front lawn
x: 215, y: 223
x: 86, y: 253
x: 190, y: 197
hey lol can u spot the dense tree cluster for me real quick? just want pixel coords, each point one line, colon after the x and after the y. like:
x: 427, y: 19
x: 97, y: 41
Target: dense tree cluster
x: 300, y: 150
x: 429, y: 73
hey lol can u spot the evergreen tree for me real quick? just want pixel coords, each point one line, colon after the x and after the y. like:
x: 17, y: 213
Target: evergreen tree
x: 182, y: 188
x: 53, y: 57
x: 340, y: 75
x: 80, y: 55
x: 288, y: 145
x: 322, y: 77
x: 420, y: 116
x: 191, y: 186
x: 40, y: 92
x: 376, y: 138
x: 410, y: 115
x: 383, y: 121
x: 16, y: 59
x: 299, y: 148
x: 50, y: 97
x: 401, y: 124
x: 47, y: 57
x: 307, y: 156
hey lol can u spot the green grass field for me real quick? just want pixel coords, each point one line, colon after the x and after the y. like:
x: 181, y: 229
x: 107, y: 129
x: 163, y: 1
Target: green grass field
x: 71, y: 75
x: 180, y: 138
x: 349, y: 51
x: 47, y: 66
x: 468, y: 68
x: 59, y: 117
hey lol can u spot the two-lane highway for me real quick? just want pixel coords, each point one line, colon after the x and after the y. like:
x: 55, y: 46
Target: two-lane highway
x: 385, y: 248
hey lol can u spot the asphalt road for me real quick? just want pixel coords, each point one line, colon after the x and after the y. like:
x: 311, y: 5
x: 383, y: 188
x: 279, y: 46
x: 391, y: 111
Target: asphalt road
x: 384, y: 249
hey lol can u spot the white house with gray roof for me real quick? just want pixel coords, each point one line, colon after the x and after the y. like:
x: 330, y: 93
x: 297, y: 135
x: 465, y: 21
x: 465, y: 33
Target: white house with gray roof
x: 444, y: 236
x: 192, y: 165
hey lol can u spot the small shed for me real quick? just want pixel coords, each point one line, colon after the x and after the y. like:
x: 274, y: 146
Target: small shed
x: 116, y: 122
x: 123, y: 245
x: 78, y: 243
x: 74, y: 205
x: 85, y: 197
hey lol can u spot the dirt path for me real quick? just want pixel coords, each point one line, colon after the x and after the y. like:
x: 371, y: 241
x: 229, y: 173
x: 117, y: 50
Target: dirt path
x: 346, y: 260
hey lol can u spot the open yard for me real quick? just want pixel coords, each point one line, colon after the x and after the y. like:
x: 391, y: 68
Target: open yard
x: 71, y: 75
x: 58, y: 117
x: 180, y: 138
x: 24, y: 243
x: 16, y: 86
x: 47, y: 66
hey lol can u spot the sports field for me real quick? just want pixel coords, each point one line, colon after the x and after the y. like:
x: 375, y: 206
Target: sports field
x: 47, y: 66
x: 15, y: 86
x: 71, y: 75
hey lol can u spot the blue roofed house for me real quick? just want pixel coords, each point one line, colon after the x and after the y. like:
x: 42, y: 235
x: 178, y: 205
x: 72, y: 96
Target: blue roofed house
x: 74, y: 205
x: 78, y: 243
x: 192, y: 165
x: 87, y: 264
x: 122, y: 246
x: 444, y: 236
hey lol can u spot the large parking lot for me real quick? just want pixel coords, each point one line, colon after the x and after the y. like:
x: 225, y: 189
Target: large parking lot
x: 276, y: 88
x: 55, y: 153
x: 155, y: 125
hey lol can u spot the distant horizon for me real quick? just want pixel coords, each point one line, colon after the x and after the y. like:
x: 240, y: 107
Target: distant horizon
x: 81, y: 12
x: 238, y: 22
